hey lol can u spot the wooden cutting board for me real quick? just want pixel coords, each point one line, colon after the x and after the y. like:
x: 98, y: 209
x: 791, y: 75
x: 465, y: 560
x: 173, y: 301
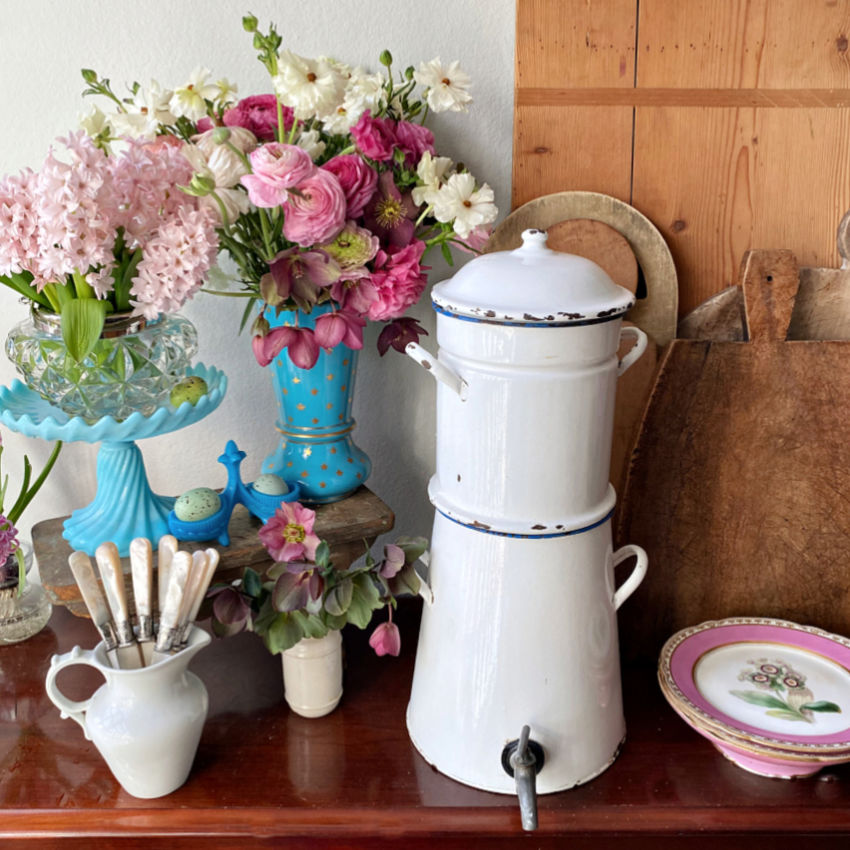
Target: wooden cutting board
x: 739, y: 483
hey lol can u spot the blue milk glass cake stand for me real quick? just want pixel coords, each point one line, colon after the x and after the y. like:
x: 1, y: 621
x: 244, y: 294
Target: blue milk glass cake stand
x: 124, y: 507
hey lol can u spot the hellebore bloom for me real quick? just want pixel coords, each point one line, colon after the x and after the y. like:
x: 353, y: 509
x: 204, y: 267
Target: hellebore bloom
x: 299, y: 342
x: 393, y: 561
x: 288, y: 534
x: 298, y: 275
x: 390, y: 215
x: 386, y: 640
x: 398, y: 333
x: 297, y: 587
x: 340, y: 327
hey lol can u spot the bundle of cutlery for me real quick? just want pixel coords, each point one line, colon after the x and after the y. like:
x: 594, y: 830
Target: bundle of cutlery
x: 183, y: 580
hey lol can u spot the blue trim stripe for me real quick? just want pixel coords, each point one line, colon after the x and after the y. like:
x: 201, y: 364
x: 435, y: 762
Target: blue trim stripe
x: 485, y: 321
x: 530, y: 536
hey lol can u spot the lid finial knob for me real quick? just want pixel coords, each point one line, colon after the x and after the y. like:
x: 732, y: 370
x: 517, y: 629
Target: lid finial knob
x: 534, y: 238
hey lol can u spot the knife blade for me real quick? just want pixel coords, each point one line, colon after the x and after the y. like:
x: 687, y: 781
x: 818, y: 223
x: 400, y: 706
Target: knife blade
x: 181, y: 565
x: 109, y: 564
x: 141, y: 566
x: 83, y: 572
x: 200, y: 582
x: 165, y: 550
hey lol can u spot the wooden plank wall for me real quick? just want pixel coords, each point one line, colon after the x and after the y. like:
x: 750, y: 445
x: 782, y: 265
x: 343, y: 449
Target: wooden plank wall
x: 726, y: 122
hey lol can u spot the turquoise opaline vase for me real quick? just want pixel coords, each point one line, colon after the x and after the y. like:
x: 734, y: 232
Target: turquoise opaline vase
x: 314, y: 420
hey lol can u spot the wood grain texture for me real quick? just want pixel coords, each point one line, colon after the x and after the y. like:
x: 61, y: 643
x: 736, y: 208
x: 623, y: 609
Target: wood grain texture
x: 265, y: 777
x: 741, y: 112
x: 738, y: 487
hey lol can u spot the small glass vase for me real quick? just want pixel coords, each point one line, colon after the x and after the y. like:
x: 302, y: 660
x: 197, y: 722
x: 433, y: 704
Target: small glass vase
x: 25, y: 613
x: 132, y: 367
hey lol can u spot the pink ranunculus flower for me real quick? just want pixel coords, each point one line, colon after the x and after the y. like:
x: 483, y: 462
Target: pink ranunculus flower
x: 276, y: 168
x: 288, y: 534
x: 315, y: 212
x: 340, y: 327
x: 386, y: 640
x: 357, y: 178
x: 258, y: 113
x: 414, y: 140
x: 399, y: 279
x: 374, y: 137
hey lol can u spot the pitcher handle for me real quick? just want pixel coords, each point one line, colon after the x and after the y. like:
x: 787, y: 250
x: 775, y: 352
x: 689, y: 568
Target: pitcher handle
x: 630, y: 585
x: 637, y: 349
x: 422, y: 568
x: 67, y: 707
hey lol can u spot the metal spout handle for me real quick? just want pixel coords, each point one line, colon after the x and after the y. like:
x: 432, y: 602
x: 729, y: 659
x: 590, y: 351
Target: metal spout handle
x: 523, y: 760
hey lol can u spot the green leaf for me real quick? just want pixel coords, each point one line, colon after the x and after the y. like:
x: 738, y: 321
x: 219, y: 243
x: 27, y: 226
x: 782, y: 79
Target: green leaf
x: 310, y: 624
x: 323, y: 555
x: 822, y: 705
x: 405, y: 581
x: 364, y: 600
x: 252, y: 584
x: 758, y: 698
x: 414, y: 547
x: 338, y: 599
x: 283, y: 633
x: 447, y: 254
x: 82, y: 323
x: 785, y: 715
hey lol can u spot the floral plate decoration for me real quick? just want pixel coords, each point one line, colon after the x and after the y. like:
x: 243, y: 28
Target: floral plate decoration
x: 769, y: 686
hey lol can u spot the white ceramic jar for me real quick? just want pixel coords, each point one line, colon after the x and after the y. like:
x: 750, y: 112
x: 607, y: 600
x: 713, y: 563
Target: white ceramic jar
x: 525, y: 404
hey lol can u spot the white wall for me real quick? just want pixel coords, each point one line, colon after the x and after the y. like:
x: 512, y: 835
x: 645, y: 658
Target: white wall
x: 43, y: 45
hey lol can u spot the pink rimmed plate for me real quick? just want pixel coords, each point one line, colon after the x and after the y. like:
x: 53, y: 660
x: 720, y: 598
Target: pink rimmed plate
x: 762, y: 682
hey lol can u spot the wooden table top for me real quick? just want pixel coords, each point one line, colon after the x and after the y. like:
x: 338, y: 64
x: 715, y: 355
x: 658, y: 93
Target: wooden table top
x: 264, y: 776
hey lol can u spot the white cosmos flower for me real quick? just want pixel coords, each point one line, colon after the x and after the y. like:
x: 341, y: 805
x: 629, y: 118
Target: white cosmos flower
x: 311, y: 142
x: 431, y: 171
x: 155, y: 101
x: 446, y: 86
x: 134, y: 124
x: 189, y: 101
x: 364, y: 91
x: 465, y: 206
x: 309, y: 86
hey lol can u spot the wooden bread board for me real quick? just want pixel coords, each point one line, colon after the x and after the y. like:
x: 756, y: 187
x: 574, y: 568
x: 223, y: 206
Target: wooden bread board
x: 739, y: 483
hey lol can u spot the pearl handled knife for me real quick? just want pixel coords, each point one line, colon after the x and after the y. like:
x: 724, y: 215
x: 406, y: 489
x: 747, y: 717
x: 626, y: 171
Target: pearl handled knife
x: 141, y: 565
x: 204, y: 565
x: 83, y: 572
x: 109, y: 564
x: 169, y: 618
x: 166, y: 548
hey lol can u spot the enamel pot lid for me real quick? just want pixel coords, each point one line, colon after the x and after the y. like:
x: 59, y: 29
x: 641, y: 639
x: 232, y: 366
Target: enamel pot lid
x: 532, y: 286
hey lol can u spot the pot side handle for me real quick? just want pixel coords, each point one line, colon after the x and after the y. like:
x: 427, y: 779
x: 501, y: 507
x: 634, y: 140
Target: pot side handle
x: 439, y: 370
x: 69, y: 708
x: 630, y: 585
x: 637, y: 349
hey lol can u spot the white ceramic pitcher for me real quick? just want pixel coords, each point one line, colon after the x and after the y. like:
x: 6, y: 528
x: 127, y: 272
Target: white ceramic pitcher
x: 146, y: 723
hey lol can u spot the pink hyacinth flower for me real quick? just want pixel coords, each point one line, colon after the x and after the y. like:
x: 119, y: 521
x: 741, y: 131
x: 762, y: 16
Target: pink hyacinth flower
x: 276, y: 168
x: 340, y: 327
x: 288, y: 534
x: 386, y: 640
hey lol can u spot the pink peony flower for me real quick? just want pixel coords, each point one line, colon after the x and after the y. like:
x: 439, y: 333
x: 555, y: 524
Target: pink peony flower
x: 374, y: 137
x: 258, y: 114
x: 276, y: 169
x: 288, y: 534
x: 399, y: 279
x: 358, y: 180
x: 414, y: 140
x: 340, y: 327
x: 386, y: 640
x: 316, y: 211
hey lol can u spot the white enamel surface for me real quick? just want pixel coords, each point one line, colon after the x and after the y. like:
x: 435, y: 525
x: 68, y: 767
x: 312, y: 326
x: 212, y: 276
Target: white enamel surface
x: 532, y: 284
x: 716, y: 675
x: 519, y: 631
x: 145, y: 723
x: 312, y: 675
x: 528, y: 444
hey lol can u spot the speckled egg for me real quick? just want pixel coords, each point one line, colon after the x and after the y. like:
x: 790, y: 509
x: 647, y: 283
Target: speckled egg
x: 270, y: 485
x: 196, y: 504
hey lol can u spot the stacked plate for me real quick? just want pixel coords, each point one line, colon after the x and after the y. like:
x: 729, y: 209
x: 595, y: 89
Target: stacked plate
x: 772, y: 696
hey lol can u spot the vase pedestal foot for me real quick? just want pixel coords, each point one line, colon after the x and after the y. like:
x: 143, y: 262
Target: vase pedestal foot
x: 124, y: 507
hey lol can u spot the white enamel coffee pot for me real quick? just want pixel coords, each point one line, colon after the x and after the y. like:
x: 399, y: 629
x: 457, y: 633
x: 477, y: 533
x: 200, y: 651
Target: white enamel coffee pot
x: 525, y: 403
